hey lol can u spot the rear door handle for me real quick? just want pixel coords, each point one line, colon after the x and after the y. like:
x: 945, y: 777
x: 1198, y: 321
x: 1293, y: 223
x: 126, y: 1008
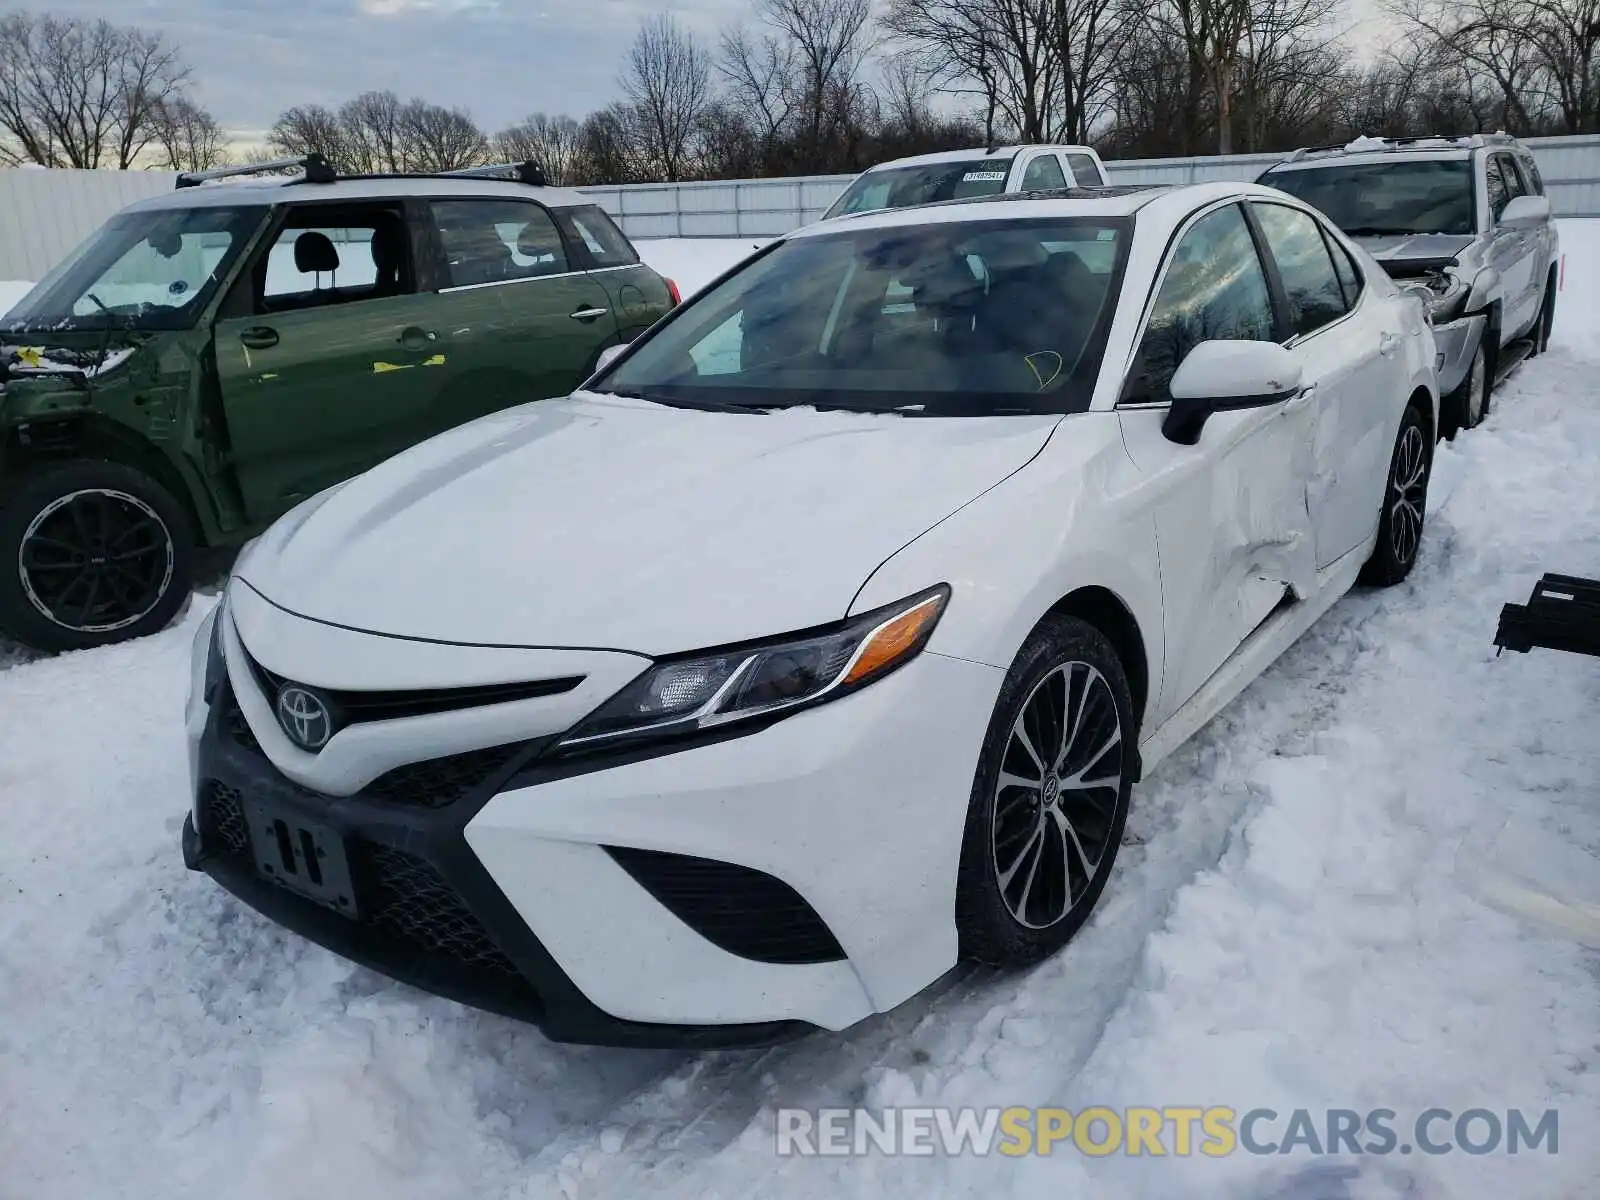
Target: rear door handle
x: 589, y: 314
x: 259, y: 338
x: 1388, y: 344
x: 417, y: 339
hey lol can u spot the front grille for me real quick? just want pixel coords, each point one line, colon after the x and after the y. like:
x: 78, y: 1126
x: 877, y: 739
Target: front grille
x: 740, y: 910
x: 433, y: 783
x: 403, y: 896
x: 234, y: 724
x: 351, y: 707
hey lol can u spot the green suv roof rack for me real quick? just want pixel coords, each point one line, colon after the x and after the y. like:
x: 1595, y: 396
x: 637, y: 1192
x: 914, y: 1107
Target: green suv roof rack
x: 315, y: 168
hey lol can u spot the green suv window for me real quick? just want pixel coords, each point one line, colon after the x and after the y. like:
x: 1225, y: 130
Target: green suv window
x: 495, y: 241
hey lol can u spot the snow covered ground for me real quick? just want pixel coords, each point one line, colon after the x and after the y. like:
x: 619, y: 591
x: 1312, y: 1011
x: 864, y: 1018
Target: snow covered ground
x: 1294, y: 923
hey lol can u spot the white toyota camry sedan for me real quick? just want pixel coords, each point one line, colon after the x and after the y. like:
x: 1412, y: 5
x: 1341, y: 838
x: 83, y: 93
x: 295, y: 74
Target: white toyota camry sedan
x: 817, y: 643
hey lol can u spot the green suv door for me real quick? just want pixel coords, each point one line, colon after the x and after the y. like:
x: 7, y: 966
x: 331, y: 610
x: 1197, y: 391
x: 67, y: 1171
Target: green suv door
x: 524, y: 320
x: 328, y: 354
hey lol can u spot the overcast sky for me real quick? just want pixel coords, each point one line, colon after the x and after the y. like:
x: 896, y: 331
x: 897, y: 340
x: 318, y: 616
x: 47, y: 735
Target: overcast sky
x: 500, y: 59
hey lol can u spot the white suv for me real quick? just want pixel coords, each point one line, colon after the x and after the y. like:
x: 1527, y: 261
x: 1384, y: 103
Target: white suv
x: 963, y: 174
x: 1466, y: 222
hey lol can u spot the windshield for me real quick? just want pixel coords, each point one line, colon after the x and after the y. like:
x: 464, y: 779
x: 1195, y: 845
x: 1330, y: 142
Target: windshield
x: 947, y: 319
x: 901, y: 187
x: 1374, y: 199
x: 140, y: 270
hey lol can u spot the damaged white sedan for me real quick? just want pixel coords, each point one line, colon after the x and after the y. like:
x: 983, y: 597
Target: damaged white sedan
x: 818, y: 641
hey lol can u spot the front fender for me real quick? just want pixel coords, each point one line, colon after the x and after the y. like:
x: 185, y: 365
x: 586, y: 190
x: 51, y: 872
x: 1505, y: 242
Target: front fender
x: 1014, y: 552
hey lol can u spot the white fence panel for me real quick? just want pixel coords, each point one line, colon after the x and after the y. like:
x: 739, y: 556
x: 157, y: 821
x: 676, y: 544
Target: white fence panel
x: 44, y: 214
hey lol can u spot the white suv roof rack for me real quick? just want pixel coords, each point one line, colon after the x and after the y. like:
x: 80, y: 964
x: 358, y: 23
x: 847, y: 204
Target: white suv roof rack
x: 1369, y: 145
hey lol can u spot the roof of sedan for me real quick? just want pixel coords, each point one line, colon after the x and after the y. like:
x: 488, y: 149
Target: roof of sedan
x: 1118, y: 200
x: 998, y: 153
x: 290, y: 190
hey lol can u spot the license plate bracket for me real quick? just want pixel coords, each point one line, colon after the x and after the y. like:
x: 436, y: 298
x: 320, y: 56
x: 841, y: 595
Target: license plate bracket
x: 302, y: 856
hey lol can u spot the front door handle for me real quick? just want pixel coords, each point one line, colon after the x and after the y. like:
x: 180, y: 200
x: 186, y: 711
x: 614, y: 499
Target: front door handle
x: 589, y: 314
x: 1388, y: 344
x: 417, y: 339
x: 259, y: 338
x: 1301, y: 398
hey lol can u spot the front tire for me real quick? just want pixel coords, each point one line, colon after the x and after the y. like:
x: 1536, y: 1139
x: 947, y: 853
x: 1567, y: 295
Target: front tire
x: 1469, y: 403
x: 91, y: 553
x: 1405, y: 504
x: 1050, y: 798
x: 1547, y: 318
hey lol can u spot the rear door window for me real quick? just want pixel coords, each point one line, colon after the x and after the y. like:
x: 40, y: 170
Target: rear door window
x: 498, y: 241
x: 1315, y: 295
x: 1085, y: 171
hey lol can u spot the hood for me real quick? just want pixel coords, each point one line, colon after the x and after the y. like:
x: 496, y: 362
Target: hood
x: 1409, y: 254
x: 609, y: 523
x: 25, y: 353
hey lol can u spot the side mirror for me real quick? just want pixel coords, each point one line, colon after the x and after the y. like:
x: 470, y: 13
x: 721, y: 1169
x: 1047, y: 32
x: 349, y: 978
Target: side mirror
x: 1218, y: 376
x: 1525, y: 211
x: 608, y: 356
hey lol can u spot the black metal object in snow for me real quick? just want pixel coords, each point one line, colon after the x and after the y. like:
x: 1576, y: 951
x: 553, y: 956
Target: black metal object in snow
x: 1563, y: 613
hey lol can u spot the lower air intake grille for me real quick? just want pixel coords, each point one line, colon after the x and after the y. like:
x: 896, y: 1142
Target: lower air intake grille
x: 223, y: 817
x: 402, y: 896
x: 742, y: 911
x: 438, y: 782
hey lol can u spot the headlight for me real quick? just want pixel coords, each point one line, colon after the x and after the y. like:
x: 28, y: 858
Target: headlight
x: 705, y: 691
x: 1444, y: 294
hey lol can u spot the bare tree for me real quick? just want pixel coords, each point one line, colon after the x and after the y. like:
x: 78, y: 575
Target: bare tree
x: 668, y: 82
x: 605, y: 147
x: 550, y: 141
x: 905, y: 95
x: 1084, y: 36
x: 309, y: 129
x: 759, y: 75
x: 189, y: 136
x: 434, y: 138
x: 1213, y: 34
x: 373, y: 133
x: 86, y: 94
x: 830, y: 40
x: 1488, y: 40
x: 1000, y: 48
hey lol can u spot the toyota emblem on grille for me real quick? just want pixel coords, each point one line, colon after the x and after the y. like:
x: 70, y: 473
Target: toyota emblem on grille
x: 304, y: 717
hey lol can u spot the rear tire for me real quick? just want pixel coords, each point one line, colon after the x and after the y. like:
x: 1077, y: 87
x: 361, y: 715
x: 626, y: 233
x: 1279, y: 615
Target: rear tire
x: 91, y: 553
x: 1404, y: 509
x: 1050, y: 798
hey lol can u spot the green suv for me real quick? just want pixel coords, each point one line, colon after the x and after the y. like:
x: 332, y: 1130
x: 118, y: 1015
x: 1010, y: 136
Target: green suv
x: 213, y: 356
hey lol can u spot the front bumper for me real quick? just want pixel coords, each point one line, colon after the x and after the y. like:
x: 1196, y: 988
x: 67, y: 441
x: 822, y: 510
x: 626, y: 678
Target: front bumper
x: 1455, y: 342
x: 734, y: 893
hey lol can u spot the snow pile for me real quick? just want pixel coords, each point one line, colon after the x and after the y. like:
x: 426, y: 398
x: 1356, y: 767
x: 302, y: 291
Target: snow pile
x: 1288, y: 928
x: 12, y: 291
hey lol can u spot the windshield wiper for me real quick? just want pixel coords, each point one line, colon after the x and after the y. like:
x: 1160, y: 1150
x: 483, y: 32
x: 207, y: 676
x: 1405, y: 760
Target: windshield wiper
x: 699, y: 405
